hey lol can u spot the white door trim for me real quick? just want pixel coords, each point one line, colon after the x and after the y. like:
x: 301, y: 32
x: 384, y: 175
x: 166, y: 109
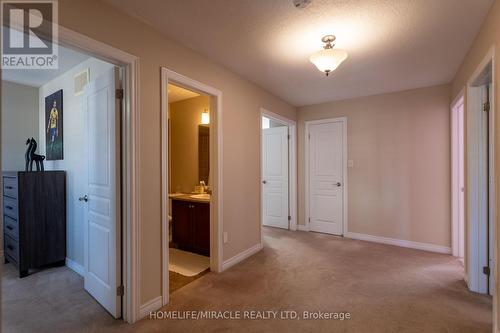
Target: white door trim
x: 342, y: 120
x: 455, y: 207
x: 475, y: 251
x: 130, y: 162
x: 292, y: 160
x: 216, y: 207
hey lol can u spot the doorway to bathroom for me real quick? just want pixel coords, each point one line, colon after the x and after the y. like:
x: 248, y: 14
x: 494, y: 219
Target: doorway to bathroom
x: 188, y: 185
x: 191, y: 181
x: 278, y: 171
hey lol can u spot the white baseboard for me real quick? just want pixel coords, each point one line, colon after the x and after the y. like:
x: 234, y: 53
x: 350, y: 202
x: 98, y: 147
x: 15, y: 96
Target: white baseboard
x: 76, y: 267
x: 241, y: 256
x: 400, y: 242
x: 150, y: 306
x: 302, y: 227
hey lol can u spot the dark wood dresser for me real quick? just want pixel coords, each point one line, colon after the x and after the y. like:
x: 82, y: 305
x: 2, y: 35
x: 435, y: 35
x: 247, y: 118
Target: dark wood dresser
x: 34, y: 220
x: 191, y: 226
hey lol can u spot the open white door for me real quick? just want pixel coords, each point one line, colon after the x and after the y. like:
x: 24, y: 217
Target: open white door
x: 461, y: 183
x: 102, y: 230
x: 326, y: 177
x: 275, y: 177
x: 458, y: 180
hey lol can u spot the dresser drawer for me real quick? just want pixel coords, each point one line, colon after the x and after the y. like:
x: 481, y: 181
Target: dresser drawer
x: 10, y: 227
x: 11, y: 248
x: 10, y: 187
x: 10, y: 207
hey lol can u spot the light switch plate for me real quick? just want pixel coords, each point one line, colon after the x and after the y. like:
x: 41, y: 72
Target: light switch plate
x: 224, y: 235
x: 350, y: 163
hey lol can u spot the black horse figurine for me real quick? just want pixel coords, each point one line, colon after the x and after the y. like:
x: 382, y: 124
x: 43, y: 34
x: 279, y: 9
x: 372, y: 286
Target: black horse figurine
x: 28, y: 153
x: 31, y: 156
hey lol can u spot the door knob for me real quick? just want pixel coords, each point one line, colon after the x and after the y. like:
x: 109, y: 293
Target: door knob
x: 338, y: 184
x: 264, y: 182
x: 84, y: 198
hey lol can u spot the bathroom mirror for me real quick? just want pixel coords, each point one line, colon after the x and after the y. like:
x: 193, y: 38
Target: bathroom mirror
x: 203, y: 153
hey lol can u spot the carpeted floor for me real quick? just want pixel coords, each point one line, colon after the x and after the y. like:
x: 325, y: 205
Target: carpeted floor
x: 384, y: 288
x: 177, y: 281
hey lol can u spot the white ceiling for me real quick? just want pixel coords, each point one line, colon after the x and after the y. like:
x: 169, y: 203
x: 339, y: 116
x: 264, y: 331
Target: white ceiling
x: 176, y: 93
x: 37, y: 77
x: 392, y: 44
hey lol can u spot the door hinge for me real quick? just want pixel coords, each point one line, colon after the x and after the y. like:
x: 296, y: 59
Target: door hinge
x: 288, y: 136
x: 309, y: 219
x: 289, y: 218
x: 120, y: 291
x: 119, y: 94
x: 486, y: 270
x: 486, y: 107
x: 309, y: 136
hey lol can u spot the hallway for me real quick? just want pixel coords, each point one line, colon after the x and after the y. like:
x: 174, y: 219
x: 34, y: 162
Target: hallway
x: 384, y: 288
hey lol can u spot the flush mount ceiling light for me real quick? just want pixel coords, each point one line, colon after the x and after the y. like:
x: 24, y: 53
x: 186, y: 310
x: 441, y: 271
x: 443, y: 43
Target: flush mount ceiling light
x: 301, y: 3
x: 328, y: 59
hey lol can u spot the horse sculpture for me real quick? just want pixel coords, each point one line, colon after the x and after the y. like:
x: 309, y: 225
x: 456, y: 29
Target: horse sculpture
x: 31, y: 156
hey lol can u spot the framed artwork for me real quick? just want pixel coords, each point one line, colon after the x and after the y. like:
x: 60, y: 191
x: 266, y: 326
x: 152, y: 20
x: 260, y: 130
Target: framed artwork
x: 54, y: 126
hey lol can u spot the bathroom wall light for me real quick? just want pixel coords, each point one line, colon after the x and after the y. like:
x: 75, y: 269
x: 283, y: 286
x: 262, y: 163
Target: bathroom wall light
x: 205, y: 117
x: 328, y: 59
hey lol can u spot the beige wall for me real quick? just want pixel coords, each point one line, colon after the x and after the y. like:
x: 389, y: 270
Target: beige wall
x: 399, y: 186
x: 488, y: 37
x: 242, y: 101
x: 185, y: 117
x: 20, y: 119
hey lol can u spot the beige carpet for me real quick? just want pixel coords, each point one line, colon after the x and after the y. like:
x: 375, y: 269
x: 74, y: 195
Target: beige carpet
x: 385, y: 288
x: 177, y: 281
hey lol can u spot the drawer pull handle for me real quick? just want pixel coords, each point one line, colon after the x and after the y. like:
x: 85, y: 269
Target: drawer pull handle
x: 10, y: 228
x: 9, y: 187
x: 9, y: 207
x: 10, y: 247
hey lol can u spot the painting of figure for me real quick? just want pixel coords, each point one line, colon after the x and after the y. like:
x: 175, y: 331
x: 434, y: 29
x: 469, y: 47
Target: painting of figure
x: 54, y: 126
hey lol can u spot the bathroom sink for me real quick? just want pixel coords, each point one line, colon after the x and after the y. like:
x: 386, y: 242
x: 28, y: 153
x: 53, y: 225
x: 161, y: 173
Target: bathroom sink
x: 204, y: 196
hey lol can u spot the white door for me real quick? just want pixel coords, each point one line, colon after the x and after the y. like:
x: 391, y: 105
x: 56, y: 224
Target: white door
x: 102, y: 234
x: 275, y: 177
x: 491, y: 194
x: 461, y: 183
x: 325, y: 177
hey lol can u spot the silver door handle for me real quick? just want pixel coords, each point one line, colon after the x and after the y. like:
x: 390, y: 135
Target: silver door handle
x: 338, y: 184
x: 84, y: 198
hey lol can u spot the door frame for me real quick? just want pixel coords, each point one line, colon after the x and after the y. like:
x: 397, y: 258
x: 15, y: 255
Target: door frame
x: 292, y: 167
x: 455, y: 207
x: 216, y: 206
x: 130, y: 146
x: 343, y: 121
x: 475, y: 251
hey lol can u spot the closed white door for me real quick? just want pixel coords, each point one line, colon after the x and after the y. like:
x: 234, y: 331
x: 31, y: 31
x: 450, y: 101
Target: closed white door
x: 325, y: 177
x: 275, y: 177
x: 102, y: 234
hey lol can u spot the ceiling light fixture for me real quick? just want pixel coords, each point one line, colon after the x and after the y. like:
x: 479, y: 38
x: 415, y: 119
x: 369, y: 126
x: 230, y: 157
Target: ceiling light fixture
x: 328, y: 59
x: 301, y: 3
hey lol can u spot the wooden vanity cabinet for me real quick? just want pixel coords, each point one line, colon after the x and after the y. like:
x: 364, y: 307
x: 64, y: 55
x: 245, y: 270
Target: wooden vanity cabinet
x: 191, y: 226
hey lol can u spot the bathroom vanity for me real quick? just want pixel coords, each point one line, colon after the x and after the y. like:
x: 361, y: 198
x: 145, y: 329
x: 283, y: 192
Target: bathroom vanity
x: 191, y: 223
